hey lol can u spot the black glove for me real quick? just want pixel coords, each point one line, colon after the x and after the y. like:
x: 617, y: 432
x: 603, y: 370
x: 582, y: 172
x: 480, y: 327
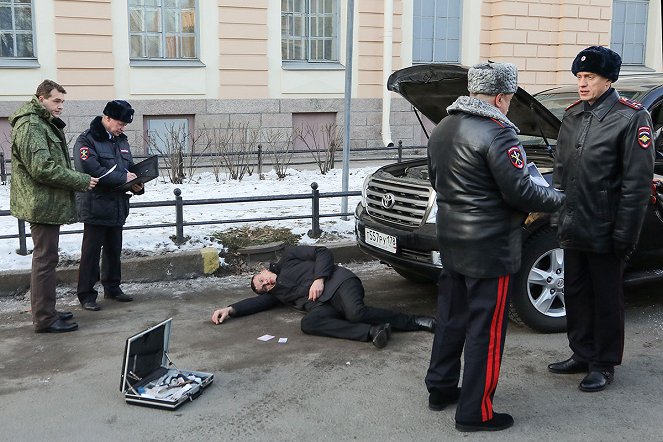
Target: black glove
x: 624, y: 250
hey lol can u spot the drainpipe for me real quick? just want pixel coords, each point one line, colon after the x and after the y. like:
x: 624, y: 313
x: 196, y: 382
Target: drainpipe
x: 386, y: 70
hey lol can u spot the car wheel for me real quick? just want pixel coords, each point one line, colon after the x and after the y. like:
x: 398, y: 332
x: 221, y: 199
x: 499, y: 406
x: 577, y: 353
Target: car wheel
x: 413, y: 277
x: 537, y: 299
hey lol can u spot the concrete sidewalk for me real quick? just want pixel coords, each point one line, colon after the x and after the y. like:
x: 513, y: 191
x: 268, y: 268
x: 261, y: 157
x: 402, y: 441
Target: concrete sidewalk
x: 172, y: 266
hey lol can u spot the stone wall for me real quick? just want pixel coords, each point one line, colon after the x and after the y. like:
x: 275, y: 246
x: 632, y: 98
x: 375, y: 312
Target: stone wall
x: 366, y: 117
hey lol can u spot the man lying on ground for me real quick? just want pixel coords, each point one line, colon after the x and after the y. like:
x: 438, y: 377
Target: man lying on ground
x: 307, y: 279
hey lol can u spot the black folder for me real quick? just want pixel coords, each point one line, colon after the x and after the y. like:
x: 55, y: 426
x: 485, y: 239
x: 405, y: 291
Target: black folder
x: 145, y: 171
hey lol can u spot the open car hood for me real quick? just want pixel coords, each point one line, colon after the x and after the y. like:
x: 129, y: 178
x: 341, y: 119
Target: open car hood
x: 431, y: 88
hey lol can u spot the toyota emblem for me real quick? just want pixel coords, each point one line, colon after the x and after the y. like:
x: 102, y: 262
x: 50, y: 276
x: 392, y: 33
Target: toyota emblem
x: 388, y: 200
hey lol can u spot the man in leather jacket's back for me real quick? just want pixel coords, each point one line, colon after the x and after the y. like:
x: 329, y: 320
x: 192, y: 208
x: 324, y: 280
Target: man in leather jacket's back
x: 478, y: 170
x: 604, y: 164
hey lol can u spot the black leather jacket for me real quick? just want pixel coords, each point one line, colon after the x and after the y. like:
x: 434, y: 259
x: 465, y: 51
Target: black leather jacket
x: 95, y: 153
x: 478, y: 169
x: 605, y: 164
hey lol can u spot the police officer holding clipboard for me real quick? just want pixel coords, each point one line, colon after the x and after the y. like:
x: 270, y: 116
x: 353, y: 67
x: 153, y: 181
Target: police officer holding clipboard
x: 103, y: 151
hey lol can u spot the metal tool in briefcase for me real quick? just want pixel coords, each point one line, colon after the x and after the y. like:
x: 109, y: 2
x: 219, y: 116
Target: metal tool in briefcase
x: 151, y: 379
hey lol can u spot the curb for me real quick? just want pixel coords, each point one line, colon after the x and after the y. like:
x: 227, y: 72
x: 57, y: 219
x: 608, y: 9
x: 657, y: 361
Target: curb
x: 172, y: 266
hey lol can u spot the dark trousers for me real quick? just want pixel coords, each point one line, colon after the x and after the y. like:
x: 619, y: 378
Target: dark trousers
x: 96, y: 238
x: 345, y: 315
x: 471, y: 313
x: 594, y: 298
x: 46, y: 238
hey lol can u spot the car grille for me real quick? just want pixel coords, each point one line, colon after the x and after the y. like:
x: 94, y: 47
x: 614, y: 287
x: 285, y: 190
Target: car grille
x: 417, y: 255
x: 410, y: 202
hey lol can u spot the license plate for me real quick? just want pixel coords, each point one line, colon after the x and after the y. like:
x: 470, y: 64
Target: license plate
x: 380, y: 240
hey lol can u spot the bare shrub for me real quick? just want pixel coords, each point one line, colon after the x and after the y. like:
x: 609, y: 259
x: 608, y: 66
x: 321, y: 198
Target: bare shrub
x: 217, y: 139
x: 322, y: 142
x: 236, y: 151
x: 279, y: 145
x: 174, y: 146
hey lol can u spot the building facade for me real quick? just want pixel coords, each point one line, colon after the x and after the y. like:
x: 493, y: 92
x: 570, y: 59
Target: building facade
x: 270, y: 65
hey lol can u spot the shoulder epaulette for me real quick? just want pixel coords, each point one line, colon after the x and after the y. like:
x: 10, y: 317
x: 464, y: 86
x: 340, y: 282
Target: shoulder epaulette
x: 631, y: 103
x: 572, y: 104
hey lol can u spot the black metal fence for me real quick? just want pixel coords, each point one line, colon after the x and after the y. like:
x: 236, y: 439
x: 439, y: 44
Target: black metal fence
x: 260, y: 159
x: 179, y: 202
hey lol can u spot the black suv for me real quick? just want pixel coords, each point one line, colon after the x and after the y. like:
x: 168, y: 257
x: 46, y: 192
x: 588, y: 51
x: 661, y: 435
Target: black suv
x: 395, y: 221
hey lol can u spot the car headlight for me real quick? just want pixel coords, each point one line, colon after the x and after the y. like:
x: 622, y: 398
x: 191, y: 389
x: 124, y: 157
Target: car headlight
x: 364, y: 188
x: 432, y: 215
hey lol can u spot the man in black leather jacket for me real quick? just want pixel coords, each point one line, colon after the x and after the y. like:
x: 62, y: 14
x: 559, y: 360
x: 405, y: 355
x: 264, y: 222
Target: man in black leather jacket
x: 605, y: 165
x: 479, y: 171
x: 307, y: 279
x: 103, y: 151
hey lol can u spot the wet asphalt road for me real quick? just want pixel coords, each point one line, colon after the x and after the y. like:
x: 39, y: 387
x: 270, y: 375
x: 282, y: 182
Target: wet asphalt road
x: 66, y: 387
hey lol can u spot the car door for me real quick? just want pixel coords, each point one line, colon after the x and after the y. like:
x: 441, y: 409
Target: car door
x: 650, y: 245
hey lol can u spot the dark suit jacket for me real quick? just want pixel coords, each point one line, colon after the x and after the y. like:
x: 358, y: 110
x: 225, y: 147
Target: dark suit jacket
x: 298, y: 267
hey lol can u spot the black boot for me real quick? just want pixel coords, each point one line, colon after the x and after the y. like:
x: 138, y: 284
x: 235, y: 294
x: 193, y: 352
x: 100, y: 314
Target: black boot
x: 380, y: 334
x: 427, y: 323
x: 439, y: 399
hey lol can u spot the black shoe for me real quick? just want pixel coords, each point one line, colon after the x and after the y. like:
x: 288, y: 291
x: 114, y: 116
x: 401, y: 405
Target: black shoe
x: 64, y: 316
x: 500, y: 421
x: 380, y: 334
x: 596, y: 381
x: 427, y: 323
x: 121, y: 297
x: 92, y: 306
x: 438, y: 400
x: 59, y: 326
x: 569, y: 366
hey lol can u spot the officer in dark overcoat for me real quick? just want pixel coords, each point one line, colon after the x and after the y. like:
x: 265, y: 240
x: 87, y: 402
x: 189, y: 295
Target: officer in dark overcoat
x: 103, y: 151
x: 604, y: 164
x: 477, y: 167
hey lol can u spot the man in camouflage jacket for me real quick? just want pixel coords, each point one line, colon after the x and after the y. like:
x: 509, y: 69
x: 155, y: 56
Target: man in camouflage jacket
x: 42, y: 193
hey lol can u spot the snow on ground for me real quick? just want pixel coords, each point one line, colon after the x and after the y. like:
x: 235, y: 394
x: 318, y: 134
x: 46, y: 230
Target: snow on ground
x: 204, y: 186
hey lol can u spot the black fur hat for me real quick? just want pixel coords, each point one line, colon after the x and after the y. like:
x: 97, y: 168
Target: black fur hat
x: 598, y: 60
x: 119, y: 110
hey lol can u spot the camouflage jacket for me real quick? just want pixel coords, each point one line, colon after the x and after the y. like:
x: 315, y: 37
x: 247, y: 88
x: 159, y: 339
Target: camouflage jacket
x: 42, y: 180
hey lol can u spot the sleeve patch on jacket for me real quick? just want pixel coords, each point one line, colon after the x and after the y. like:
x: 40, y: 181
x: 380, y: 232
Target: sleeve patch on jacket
x: 84, y: 153
x: 644, y: 136
x: 516, y: 157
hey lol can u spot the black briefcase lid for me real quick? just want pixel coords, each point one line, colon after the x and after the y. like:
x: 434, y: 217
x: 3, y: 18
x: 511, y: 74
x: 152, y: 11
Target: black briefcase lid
x: 148, y: 167
x: 145, y: 353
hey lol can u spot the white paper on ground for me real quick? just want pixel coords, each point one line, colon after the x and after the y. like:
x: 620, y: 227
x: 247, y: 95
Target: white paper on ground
x: 265, y: 337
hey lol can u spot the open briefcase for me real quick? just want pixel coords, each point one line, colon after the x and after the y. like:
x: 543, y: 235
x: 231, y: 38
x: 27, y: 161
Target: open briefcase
x: 146, y: 378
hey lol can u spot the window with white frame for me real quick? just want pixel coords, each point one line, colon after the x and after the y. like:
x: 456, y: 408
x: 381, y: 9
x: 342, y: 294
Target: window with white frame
x: 163, y: 29
x: 436, y: 31
x: 629, y: 30
x: 309, y: 30
x: 16, y: 30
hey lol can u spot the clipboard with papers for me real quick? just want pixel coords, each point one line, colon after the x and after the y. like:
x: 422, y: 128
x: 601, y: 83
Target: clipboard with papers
x: 145, y: 171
